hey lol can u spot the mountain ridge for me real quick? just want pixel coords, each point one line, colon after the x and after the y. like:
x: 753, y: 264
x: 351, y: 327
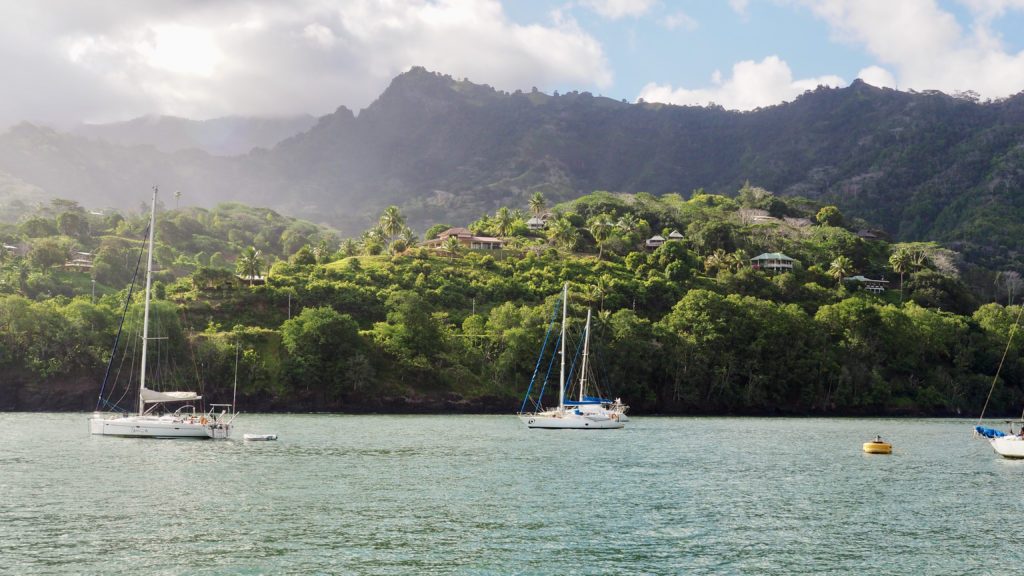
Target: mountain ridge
x: 920, y: 166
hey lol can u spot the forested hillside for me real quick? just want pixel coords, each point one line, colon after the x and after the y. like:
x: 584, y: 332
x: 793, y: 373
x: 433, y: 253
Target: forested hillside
x: 918, y: 166
x: 377, y: 322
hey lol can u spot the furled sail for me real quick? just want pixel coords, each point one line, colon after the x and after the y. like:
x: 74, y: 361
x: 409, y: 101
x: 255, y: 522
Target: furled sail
x: 152, y: 396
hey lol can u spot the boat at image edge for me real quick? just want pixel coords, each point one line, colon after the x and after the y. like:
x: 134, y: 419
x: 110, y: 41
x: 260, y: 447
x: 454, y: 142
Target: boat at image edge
x: 586, y: 413
x: 1006, y: 445
x: 185, y: 422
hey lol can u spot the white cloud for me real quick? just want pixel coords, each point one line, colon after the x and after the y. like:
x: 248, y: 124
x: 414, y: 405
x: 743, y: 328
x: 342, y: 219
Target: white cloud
x: 124, y: 58
x: 679, y: 21
x: 926, y: 47
x: 615, y: 9
x: 878, y: 76
x: 752, y: 85
x: 320, y: 35
x: 739, y: 6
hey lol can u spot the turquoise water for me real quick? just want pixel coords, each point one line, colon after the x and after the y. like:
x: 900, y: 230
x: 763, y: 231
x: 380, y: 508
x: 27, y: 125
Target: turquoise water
x: 484, y: 495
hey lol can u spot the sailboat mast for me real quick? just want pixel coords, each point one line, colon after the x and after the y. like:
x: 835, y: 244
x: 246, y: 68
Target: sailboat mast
x: 561, y: 374
x: 586, y: 352
x: 145, y: 314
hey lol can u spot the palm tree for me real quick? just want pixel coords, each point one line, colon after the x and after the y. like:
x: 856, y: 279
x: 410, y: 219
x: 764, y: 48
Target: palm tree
x: 349, y: 247
x: 392, y: 221
x: 177, y: 198
x: 250, y: 264
x: 538, y: 203
x: 900, y: 262
x: 716, y: 261
x: 601, y: 228
x: 452, y: 246
x: 504, y: 220
x: 736, y: 260
x: 408, y: 236
x: 628, y: 223
x: 563, y: 232
x: 840, y: 268
x: 373, y: 241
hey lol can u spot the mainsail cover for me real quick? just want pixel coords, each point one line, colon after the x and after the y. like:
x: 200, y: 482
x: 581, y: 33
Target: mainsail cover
x: 152, y: 396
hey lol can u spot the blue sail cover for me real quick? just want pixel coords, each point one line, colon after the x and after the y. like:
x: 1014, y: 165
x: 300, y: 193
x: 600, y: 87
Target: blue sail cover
x: 989, y: 432
x: 587, y: 401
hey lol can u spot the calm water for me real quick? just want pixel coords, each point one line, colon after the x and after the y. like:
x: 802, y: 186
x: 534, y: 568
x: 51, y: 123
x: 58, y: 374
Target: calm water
x: 484, y: 495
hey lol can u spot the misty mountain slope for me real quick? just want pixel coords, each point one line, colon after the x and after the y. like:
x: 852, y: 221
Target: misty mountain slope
x: 921, y: 166
x: 230, y: 136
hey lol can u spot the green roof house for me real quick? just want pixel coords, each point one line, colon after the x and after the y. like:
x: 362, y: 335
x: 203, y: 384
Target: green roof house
x: 772, y: 262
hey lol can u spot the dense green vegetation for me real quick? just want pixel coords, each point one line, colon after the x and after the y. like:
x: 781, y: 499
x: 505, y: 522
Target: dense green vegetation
x: 380, y: 323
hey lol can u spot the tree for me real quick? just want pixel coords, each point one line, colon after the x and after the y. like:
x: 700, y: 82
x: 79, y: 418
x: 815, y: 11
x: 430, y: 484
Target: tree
x: 829, y: 216
x: 628, y: 223
x: 303, y: 257
x: 250, y: 264
x: 601, y: 227
x: 349, y: 247
x: 408, y: 236
x: 320, y: 342
x: 452, y: 246
x: 715, y: 262
x: 46, y: 254
x: 564, y: 233
x: 900, y: 262
x: 840, y: 268
x: 72, y: 224
x: 538, y: 203
x: 504, y: 220
x: 392, y: 221
x: 1011, y: 282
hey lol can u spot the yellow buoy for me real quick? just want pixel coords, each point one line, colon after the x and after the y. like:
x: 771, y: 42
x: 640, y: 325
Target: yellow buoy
x: 876, y: 446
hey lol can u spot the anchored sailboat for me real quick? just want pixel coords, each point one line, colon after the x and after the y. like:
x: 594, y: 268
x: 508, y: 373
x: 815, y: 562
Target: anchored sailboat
x: 186, y: 421
x: 585, y: 413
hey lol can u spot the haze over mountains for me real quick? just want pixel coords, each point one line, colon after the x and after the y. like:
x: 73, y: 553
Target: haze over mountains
x: 917, y: 165
x: 229, y: 136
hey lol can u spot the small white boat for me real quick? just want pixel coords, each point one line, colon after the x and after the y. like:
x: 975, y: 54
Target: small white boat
x: 260, y: 437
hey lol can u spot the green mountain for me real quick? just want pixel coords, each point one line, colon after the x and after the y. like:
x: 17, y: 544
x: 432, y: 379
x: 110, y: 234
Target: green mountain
x: 918, y: 166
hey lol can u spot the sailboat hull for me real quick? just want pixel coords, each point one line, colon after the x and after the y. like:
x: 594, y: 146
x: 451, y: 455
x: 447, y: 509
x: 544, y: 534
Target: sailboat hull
x: 569, y: 421
x: 157, y: 427
x: 1010, y: 446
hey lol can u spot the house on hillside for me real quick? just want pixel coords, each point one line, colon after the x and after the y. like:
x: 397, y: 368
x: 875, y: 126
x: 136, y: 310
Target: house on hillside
x: 873, y: 286
x: 653, y: 242
x: 535, y: 223
x: 467, y: 240
x: 772, y: 262
x: 675, y: 236
x: 80, y: 261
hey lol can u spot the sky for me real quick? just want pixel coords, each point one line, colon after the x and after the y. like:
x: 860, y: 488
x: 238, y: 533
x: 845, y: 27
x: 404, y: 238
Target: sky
x: 66, y: 61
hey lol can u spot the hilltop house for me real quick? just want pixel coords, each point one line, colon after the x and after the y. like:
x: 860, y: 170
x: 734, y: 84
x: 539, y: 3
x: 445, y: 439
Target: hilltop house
x: 535, y: 223
x: 80, y: 261
x: 873, y: 286
x: 467, y: 240
x: 772, y: 262
x: 653, y: 242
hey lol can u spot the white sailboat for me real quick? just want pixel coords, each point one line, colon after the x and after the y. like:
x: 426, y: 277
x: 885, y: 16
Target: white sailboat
x: 186, y: 421
x: 586, y: 413
x: 1006, y: 445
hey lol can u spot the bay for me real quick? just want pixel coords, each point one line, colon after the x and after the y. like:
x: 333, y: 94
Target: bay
x: 484, y: 495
